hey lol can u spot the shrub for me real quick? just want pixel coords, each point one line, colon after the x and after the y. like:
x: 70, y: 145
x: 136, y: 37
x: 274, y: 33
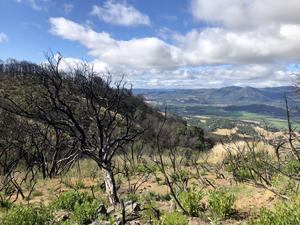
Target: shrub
x: 149, y: 213
x: 79, y: 185
x: 4, y: 202
x: 292, y: 167
x: 180, y: 178
x: 69, y: 199
x: 221, y: 203
x: 132, y: 197
x: 85, y: 213
x: 174, y: 218
x: 22, y: 215
x: 191, y: 202
x: 251, y: 165
x: 283, y: 214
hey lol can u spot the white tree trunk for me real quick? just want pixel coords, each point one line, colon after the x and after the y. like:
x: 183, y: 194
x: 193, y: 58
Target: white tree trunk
x: 110, y: 186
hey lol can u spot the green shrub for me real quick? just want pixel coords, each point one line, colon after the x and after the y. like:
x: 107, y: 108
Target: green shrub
x: 292, y: 167
x: 4, y: 202
x: 287, y: 213
x: 149, y: 196
x: 174, y: 218
x: 221, y: 203
x: 85, y: 213
x: 132, y: 197
x: 180, y: 178
x: 22, y: 215
x: 250, y: 165
x: 191, y: 202
x: 149, y: 214
x: 79, y: 185
x: 69, y: 199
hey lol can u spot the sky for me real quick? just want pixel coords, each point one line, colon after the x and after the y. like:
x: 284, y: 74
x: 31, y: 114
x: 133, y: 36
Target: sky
x: 161, y: 43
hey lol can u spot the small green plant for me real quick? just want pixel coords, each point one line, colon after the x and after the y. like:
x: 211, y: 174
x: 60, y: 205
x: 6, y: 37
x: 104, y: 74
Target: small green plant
x: 149, y: 213
x: 174, y: 218
x: 21, y: 215
x: 85, y: 213
x: 69, y: 199
x: 287, y: 213
x: 221, y: 203
x: 191, y: 202
x: 4, y: 202
x: 79, y: 185
x: 132, y: 197
x: 180, y: 178
x: 293, y: 166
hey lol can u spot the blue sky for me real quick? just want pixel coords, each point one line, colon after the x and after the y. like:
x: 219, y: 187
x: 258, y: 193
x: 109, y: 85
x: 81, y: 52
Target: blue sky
x: 161, y: 43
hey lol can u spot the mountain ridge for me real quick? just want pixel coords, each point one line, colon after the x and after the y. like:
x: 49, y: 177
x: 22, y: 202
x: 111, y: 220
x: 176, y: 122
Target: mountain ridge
x: 231, y: 95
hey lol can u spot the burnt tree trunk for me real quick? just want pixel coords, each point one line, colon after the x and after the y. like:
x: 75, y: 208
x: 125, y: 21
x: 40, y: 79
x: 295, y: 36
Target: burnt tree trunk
x: 110, y: 185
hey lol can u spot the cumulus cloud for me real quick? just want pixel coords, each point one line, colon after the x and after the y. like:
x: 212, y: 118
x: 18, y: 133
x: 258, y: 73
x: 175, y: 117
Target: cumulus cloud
x: 144, y: 53
x: 252, y: 37
x: 3, y: 37
x: 209, y: 46
x: 120, y: 13
x: 218, y: 45
x: 215, y: 76
x: 245, y: 14
x: 69, y: 63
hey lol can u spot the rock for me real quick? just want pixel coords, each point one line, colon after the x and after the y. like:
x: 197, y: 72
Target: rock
x: 128, y: 203
x: 172, y: 206
x: 100, y: 222
x: 133, y: 208
x: 96, y: 222
x: 110, y: 210
x: 136, y: 207
x: 61, y: 216
x: 134, y: 223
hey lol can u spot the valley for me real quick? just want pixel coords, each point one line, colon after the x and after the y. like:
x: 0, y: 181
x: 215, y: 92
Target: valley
x: 248, y: 105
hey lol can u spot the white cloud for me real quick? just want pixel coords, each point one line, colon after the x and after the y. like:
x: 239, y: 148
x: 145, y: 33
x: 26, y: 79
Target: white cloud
x: 120, y: 13
x: 209, y: 46
x: 257, y: 39
x: 218, y: 45
x: 215, y: 76
x: 144, y: 53
x: 246, y: 14
x: 69, y: 63
x: 3, y: 37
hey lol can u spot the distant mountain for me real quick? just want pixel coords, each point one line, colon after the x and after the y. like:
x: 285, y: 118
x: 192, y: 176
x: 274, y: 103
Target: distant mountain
x: 231, y: 95
x: 230, y: 101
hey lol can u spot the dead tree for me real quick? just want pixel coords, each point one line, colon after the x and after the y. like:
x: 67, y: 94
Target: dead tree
x: 12, y: 145
x: 89, y: 108
x: 161, y: 164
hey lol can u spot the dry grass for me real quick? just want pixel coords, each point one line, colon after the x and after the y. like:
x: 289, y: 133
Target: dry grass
x: 219, y: 152
x: 225, y: 132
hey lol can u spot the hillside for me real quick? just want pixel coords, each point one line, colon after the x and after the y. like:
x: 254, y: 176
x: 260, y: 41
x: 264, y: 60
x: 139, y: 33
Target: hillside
x: 29, y: 91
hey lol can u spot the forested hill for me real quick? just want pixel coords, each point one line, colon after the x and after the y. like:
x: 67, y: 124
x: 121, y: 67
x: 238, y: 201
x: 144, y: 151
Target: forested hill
x: 46, y: 95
